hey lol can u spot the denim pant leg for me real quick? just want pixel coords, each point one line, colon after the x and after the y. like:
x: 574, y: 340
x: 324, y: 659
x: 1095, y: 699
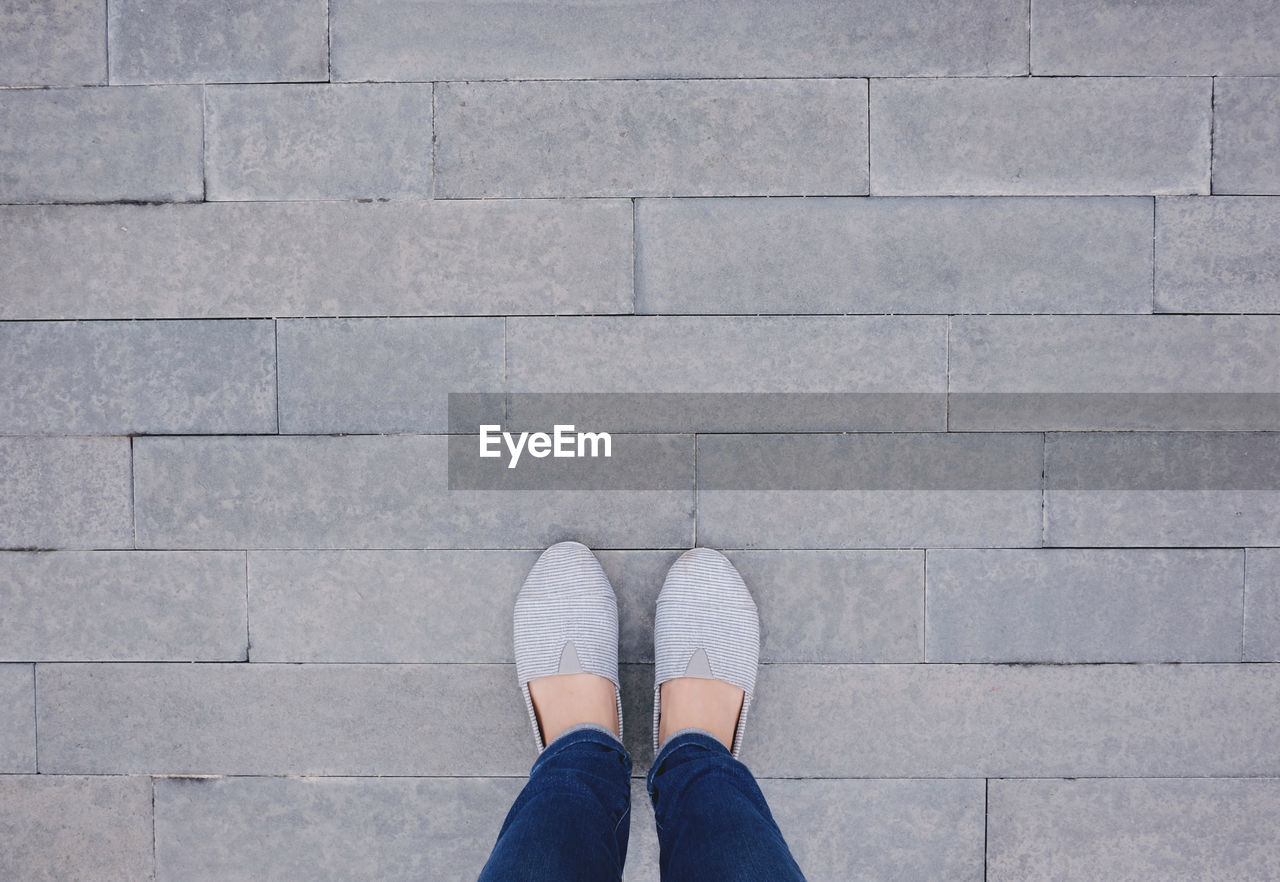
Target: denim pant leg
x: 570, y: 823
x: 713, y: 822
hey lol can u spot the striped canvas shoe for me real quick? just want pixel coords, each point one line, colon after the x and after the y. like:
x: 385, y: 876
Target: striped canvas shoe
x: 566, y: 622
x: 706, y: 626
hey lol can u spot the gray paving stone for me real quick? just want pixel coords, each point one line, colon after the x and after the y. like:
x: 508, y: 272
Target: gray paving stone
x: 884, y: 373
x: 116, y: 378
x: 871, y: 604
x: 1119, y: 37
x: 869, y: 491
x: 53, y: 43
x: 65, y: 493
x: 808, y: 721
x: 728, y: 411
x: 1101, y: 353
x: 455, y: 606
x: 1084, y: 605
x: 123, y: 606
x: 17, y: 723
x: 651, y: 138
x: 324, y: 258
x: 383, y: 375
x: 388, y: 491
x: 61, y: 828
x: 1246, y: 134
x: 271, y: 719
x: 1114, y: 372
x: 318, y: 141
x: 727, y: 354
x: 188, y: 41
x: 100, y: 145
x: 405, y: 40
x: 1040, y: 136
x: 385, y: 606
x: 1162, y: 489
x: 1262, y: 605
x: 1164, y: 828
x: 893, y: 255
x: 1217, y: 255
x: 328, y: 829
x: 847, y: 829
x: 867, y: 519
x: 941, y: 720
x: 397, y: 828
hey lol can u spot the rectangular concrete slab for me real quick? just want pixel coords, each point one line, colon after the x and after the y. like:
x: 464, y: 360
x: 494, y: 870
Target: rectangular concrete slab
x: 269, y: 719
x: 1104, y: 353
x: 727, y: 354
x: 399, y: 828
x: 1040, y: 136
x: 876, y: 720
x: 940, y: 720
x: 867, y: 519
x: 387, y: 491
x: 53, y: 43
x: 1084, y: 605
x: 318, y: 141
x: 651, y: 138
x: 1133, y: 829
x: 383, y: 375
x: 869, y: 490
x: 1191, y: 518
x: 836, y: 606
x: 424, y: 606
x: 188, y: 41
x: 123, y: 606
x: 448, y: 40
x: 321, y: 258
x: 918, y: 829
x: 1072, y: 37
x: 829, y: 373
x: 18, y: 723
x: 1217, y: 254
x: 1114, y: 372
x: 924, y: 829
x: 455, y: 606
x: 63, y: 828
x: 914, y: 721
x: 1162, y: 489
x: 101, y: 145
x: 893, y: 255
x: 116, y: 378
x: 1262, y: 605
x: 328, y: 828
x: 65, y: 493
x: 1246, y: 134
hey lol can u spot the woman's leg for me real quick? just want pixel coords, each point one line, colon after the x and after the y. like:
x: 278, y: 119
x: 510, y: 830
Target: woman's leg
x: 571, y: 822
x: 713, y: 822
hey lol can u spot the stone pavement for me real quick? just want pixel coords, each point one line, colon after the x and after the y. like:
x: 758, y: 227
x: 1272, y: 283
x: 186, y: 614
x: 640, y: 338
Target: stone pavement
x: 247, y: 249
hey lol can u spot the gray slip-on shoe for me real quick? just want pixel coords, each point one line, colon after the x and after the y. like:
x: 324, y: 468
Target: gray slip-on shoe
x: 566, y: 622
x: 707, y: 626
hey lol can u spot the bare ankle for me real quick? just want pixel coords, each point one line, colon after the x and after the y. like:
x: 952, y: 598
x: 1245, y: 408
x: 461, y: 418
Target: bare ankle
x: 698, y: 703
x: 564, y: 700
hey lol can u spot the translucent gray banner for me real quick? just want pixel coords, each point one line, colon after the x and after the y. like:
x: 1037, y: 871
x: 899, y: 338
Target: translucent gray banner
x: 747, y: 441
x: 678, y: 412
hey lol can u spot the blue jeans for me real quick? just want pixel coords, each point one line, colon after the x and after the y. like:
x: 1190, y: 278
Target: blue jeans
x: 571, y: 822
